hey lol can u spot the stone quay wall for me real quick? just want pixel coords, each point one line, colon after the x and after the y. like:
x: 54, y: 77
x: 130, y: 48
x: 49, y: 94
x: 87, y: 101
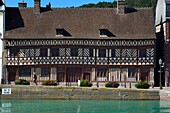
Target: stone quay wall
x: 78, y: 93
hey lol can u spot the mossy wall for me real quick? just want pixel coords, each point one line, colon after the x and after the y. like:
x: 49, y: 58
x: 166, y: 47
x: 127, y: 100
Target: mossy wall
x: 78, y: 93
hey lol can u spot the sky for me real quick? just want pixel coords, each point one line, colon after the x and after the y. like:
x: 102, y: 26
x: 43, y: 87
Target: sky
x: 54, y: 3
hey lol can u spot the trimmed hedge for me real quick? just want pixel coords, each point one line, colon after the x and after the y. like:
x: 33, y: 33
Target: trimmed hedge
x: 22, y: 82
x: 112, y: 84
x: 49, y: 83
x: 85, y: 83
x: 142, y: 85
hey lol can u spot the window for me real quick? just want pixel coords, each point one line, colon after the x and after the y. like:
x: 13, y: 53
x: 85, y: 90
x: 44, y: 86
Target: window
x: 90, y: 52
x: 54, y: 52
x: 45, y: 72
x: 74, y: 52
x: 102, y: 52
x: 24, y: 72
x: 101, y: 72
x: 13, y: 52
x: 60, y: 32
x: 113, y: 54
x: 142, y: 53
x: 43, y: 52
x: 168, y: 10
x: 103, y: 32
x: 106, y: 33
x: 132, y: 72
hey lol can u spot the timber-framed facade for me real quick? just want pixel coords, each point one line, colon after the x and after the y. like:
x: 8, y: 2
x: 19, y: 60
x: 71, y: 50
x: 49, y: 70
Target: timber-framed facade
x: 98, y: 52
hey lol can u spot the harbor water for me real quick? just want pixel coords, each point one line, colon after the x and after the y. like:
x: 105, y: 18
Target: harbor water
x: 84, y: 106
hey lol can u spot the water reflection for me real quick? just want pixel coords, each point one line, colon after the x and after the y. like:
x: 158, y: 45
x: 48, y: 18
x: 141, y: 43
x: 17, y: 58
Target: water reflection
x: 78, y: 109
x: 83, y: 106
x: 165, y: 106
x: 5, y: 107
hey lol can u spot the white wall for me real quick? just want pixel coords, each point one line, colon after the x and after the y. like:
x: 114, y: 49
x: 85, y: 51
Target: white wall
x: 1, y: 43
x: 2, y: 8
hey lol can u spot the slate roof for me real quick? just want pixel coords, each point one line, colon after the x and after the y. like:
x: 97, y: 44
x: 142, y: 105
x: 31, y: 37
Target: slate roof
x: 22, y: 23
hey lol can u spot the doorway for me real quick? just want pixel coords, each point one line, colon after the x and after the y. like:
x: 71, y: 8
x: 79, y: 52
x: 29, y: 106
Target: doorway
x: 60, y: 77
x: 12, y: 74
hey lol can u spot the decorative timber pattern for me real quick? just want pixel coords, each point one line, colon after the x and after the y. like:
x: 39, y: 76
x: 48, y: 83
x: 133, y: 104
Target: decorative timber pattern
x: 80, y: 42
x: 22, y: 52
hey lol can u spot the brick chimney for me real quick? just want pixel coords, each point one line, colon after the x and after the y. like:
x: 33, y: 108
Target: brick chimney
x: 120, y: 7
x: 22, y: 4
x: 37, y: 6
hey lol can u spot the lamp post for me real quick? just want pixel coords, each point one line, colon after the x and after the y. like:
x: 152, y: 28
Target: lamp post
x: 161, y: 66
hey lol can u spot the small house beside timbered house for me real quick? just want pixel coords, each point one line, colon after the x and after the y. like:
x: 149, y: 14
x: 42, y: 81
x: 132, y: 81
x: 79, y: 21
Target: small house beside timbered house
x: 162, y: 26
x: 71, y: 44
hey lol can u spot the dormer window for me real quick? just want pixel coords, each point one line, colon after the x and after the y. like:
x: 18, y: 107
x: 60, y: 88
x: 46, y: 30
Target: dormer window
x: 103, y: 32
x: 106, y: 33
x: 62, y: 32
x: 59, y: 32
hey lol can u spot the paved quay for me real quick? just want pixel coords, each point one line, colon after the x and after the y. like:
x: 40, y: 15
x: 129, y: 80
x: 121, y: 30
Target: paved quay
x: 164, y: 93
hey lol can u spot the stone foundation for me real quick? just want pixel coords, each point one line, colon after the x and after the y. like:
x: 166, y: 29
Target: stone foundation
x: 78, y: 93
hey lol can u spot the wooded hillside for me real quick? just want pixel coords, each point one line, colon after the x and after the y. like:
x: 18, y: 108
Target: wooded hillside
x: 129, y: 3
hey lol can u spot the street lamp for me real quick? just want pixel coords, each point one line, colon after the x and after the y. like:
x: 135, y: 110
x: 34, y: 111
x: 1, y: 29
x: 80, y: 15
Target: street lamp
x: 161, y: 66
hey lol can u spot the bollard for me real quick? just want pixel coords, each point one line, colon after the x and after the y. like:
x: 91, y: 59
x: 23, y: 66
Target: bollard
x: 97, y: 84
x: 125, y: 85
x: 152, y: 85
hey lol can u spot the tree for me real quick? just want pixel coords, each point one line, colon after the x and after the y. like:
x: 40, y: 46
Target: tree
x: 129, y: 3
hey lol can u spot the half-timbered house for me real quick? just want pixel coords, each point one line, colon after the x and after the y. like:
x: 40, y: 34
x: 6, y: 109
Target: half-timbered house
x: 71, y: 44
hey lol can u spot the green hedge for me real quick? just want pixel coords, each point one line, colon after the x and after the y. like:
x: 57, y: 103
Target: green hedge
x: 112, y: 84
x: 142, y: 85
x: 85, y: 83
x: 22, y: 82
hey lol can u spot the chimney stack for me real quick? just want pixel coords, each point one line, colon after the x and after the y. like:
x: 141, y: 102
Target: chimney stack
x: 120, y: 7
x: 48, y: 6
x: 22, y: 4
x: 37, y: 6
